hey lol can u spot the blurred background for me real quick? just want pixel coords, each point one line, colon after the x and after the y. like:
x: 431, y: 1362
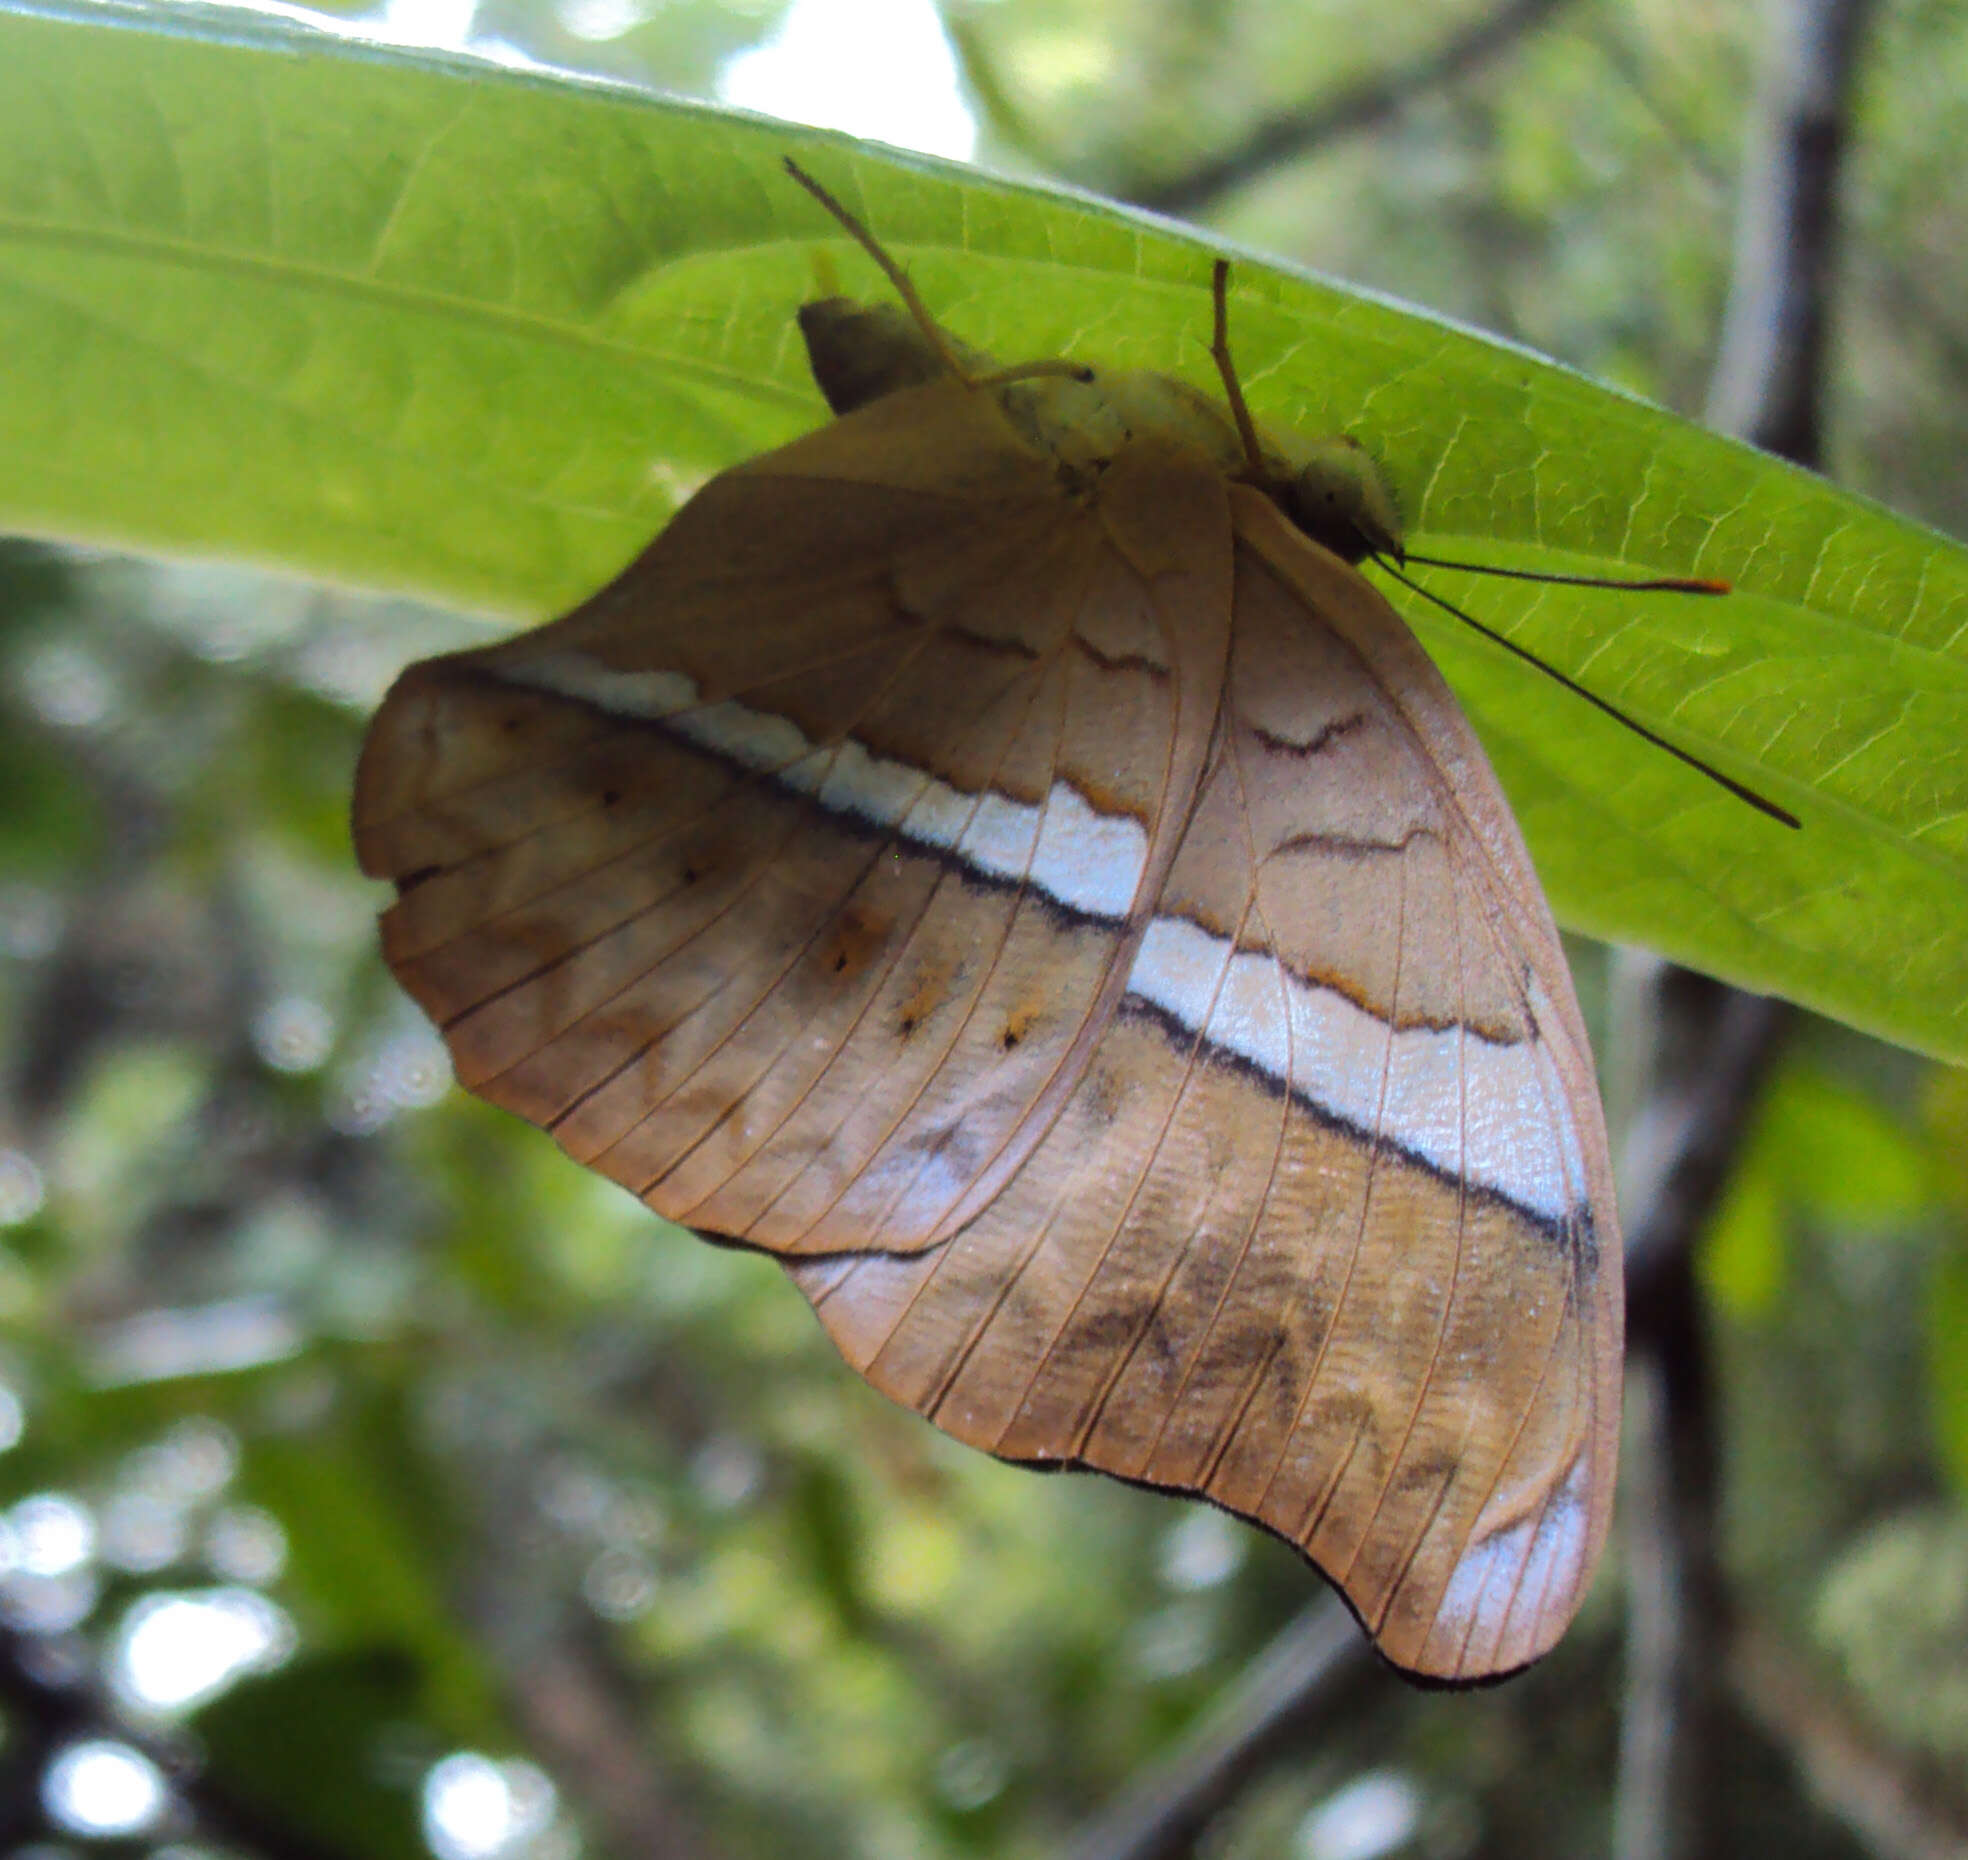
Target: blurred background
x: 374, y: 1483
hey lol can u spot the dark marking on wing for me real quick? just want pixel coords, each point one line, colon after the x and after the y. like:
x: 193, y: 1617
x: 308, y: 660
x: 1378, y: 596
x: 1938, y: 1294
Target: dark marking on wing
x: 1318, y: 744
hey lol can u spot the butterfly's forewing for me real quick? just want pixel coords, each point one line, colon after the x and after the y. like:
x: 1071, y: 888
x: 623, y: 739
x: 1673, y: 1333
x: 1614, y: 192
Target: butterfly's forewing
x: 787, y: 881
x: 1060, y: 911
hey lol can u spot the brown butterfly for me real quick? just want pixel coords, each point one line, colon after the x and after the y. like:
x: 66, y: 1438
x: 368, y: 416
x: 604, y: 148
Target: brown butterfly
x: 999, y: 855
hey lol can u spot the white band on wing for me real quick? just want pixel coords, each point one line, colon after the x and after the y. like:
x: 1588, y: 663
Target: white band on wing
x: 1492, y: 1112
x: 1086, y: 860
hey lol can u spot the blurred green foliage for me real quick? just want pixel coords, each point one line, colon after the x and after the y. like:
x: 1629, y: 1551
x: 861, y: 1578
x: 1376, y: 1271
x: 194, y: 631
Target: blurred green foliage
x: 527, y: 1475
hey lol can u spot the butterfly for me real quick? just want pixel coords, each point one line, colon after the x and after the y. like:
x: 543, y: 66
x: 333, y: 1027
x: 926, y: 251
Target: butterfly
x: 1000, y: 856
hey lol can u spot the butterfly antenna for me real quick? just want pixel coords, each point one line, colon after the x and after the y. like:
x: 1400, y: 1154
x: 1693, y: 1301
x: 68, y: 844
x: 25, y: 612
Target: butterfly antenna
x: 1233, y: 390
x: 1639, y: 729
x: 1659, y: 584
x: 933, y: 331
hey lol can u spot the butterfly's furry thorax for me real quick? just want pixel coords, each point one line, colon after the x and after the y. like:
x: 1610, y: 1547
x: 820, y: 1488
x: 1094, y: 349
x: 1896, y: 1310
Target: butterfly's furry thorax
x: 1328, y: 488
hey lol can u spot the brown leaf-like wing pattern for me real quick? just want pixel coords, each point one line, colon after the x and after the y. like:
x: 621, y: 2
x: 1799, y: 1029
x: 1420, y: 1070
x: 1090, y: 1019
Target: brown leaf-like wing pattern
x: 988, y: 858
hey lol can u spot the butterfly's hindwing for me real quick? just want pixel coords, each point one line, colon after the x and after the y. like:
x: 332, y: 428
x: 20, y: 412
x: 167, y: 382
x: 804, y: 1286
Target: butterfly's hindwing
x: 1315, y: 1234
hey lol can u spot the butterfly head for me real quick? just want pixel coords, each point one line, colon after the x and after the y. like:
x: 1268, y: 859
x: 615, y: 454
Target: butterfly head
x: 1336, y: 494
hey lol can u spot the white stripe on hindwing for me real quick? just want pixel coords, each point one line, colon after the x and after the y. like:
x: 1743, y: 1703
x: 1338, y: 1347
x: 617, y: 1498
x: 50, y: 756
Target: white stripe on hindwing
x: 1493, y: 1112
x: 1490, y: 1111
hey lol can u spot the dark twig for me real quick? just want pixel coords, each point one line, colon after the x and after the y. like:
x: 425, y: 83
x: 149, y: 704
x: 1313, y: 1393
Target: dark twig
x: 1718, y: 1045
x: 1684, y: 1142
x: 589, y: 1713
x: 1664, y: 1785
x: 582, y: 1713
x: 1298, y: 131
x: 1714, y: 1047
x: 1768, y: 381
x: 1660, y: 100
x: 1305, y: 1674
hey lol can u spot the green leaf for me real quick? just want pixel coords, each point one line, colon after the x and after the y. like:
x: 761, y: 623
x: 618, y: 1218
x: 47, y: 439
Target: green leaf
x: 1745, y: 1255
x: 369, y: 1536
x: 1894, y: 1610
x: 1840, y: 1155
x: 422, y: 324
x: 306, y: 1748
x: 49, y: 824
x: 1824, y: 1150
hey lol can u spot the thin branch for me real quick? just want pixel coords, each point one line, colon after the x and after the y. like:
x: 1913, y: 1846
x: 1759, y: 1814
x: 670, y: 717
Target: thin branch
x: 580, y: 1711
x: 1670, y: 1784
x: 1298, y: 131
x: 1673, y: 121
x: 1682, y: 1146
x: 1713, y: 1050
x: 1869, y: 1787
x: 1720, y: 1044
x: 1768, y: 382
x: 1313, y: 1667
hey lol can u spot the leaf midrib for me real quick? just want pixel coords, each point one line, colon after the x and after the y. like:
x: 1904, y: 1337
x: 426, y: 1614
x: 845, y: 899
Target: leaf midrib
x: 382, y: 293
